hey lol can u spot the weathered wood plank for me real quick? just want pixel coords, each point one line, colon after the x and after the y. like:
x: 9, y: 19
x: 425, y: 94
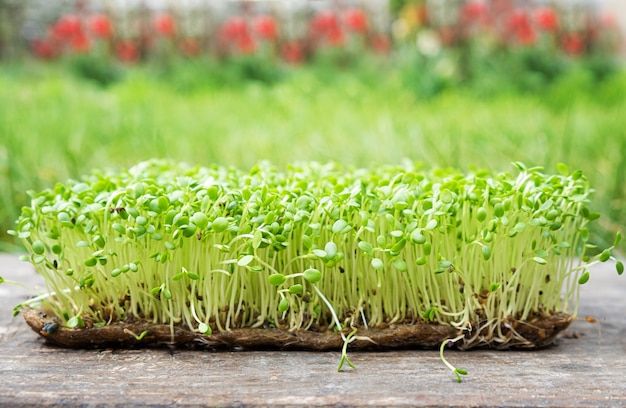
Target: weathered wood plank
x: 587, y: 368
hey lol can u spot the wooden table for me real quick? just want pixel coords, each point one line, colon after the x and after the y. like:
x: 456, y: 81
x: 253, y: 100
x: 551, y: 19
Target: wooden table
x: 586, y: 368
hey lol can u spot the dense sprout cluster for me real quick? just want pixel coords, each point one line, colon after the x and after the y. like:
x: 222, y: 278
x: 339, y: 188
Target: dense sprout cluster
x: 314, y: 247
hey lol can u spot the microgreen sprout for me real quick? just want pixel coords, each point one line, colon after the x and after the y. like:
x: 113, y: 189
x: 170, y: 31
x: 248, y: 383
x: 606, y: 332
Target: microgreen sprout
x: 137, y: 337
x: 316, y: 246
x: 458, y: 372
x: 344, y: 350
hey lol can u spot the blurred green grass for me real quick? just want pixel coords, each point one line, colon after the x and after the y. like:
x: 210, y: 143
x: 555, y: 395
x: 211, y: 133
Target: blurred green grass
x: 54, y: 125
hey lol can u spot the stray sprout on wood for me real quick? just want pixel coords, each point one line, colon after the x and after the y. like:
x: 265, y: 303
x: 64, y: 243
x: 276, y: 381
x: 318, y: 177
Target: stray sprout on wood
x: 315, y: 248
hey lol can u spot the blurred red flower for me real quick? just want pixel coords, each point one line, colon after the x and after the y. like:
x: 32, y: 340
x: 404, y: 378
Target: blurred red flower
x: 518, y: 19
x: 44, y: 48
x: 325, y: 26
x: 265, y: 27
x: 100, y: 25
x: 608, y: 21
x: 80, y: 43
x: 380, y: 43
x: 189, y: 47
x: 234, y: 28
x: 324, y: 22
x: 292, y: 52
x: 67, y: 27
x: 164, y: 24
x: 335, y: 37
x: 526, y: 35
x: 126, y: 50
x: 573, y: 43
x: 519, y: 25
x: 356, y: 20
x: 546, y: 19
x: 474, y: 10
x: 245, y: 44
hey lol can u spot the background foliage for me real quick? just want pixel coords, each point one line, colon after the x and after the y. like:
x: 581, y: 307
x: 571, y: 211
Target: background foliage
x: 440, y: 91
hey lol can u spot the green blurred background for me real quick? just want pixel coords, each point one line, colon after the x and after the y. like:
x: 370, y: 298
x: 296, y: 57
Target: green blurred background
x: 410, y: 85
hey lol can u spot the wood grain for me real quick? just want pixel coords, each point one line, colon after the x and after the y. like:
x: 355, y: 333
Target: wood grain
x: 586, y: 368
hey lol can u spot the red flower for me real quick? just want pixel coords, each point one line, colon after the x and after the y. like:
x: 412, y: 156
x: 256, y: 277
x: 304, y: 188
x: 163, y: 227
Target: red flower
x: 164, y: 24
x: 44, y: 48
x: 474, y: 10
x: 265, y: 27
x: 325, y: 26
x: 573, y: 43
x: 189, y: 47
x: 608, y: 21
x: 292, y: 52
x: 245, y: 44
x: 518, y: 19
x: 324, y: 22
x: 356, y: 20
x: 520, y: 27
x: 126, y: 50
x: 234, y: 29
x: 100, y: 25
x: 335, y: 37
x: 80, y: 43
x: 67, y: 27
x: 526, y: 35
x: 546, y: 19
x: 380, y: 43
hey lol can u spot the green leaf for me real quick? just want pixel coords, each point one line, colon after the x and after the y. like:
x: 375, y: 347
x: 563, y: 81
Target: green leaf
x: 429, y: 315
x: 276, y: 279
x: 618, y: 238
x: 91, y: 261
x: 219, y: 224
x: 562, y: 169
x: 481, y: 214
x: 584, y: 278
x: 486, y: 252
x: 498, y: 210
x: 400, y: 265
x: 296, y: 289
x: 283, y: 305
x: 200, y: 220
x: 38, y: 247
x: 605, y: 255
x: 418, y: 237
x: 432, y: 224
x: 76, y: 321
x: 340, y: 226
x: 312, y: 275
x: 540, y: 260
x: 377, y: 263
x: 245, y: 260
x: 421, y: 260
x: 257, y: 238
x: 619, y: 266
x: 331, y: 250
x: 204, y: 329
x: 365, y: 247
